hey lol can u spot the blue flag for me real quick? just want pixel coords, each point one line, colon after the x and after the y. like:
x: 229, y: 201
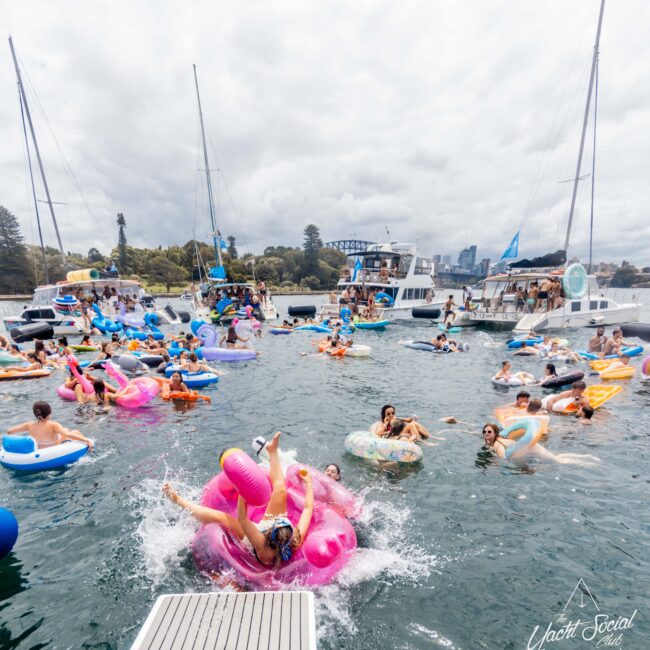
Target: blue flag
x: 513, y: 248
x: 222, y: 244
x: 357, y: 268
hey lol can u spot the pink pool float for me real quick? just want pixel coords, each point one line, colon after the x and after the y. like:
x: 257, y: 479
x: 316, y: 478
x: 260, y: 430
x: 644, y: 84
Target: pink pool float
x: 67, y: 393
x: 326, y: 549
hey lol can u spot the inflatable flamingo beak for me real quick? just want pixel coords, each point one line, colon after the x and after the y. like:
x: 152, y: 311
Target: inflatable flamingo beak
x: 322, y: 549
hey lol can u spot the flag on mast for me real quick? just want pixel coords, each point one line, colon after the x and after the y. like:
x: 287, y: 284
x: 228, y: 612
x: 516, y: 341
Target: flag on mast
x: 357, y: 268
x: 513, y: 249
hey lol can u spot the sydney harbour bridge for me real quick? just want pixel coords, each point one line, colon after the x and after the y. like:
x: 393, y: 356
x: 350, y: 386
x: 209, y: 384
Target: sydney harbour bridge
x: 348, y: 246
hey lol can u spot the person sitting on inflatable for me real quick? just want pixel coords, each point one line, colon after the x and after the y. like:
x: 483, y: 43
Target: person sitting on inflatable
x: 105, y: 352
x: 555, y: 351
x: 399, y: 427
x: 549, y: 371
x: 506, y: 375
x: 333, y: 471
x: 32, y: 360
x: 527, y: 350
x: 194, y: 365
x: 576, y: 392
x: 273, y: 539
x: 73, y: 384
x: 498, y: 445
x: 46, y: 432
x: 103, y: 393
x: 616, y: 344
x: 232, y: 338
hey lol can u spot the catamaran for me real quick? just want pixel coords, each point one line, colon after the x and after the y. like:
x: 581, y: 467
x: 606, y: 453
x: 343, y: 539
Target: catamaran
x: 401, y: 279
x: 505, y: 302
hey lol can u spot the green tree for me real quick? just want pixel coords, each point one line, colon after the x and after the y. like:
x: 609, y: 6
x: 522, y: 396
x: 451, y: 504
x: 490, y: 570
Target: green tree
x: 232, y: 249
x: 623, y: 278
x: 121, y: 242
x: 311, y: 282
x: 311, y: 250
x: 163, y: 271
x: 17, y: 275
x: 94, y: 256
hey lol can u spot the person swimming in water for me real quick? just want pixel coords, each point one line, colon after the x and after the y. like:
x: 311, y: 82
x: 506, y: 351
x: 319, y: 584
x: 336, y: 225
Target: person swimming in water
x: 47, y: 432
x: 498, y: 445
x: 273, y: 540
x: 333, y: 471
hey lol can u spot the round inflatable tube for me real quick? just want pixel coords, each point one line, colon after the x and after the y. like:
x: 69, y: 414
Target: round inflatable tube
x: 31, y: 331
x: 8, y: 532
x: 384, y: 299
x: 563, y: 380
x: 513, y: 381
x: 326, y: 490
x: 305, y: 311
x: 368, y: 446
x: 66, y: 393
x: 645, y: 366
x: 280, y: 330
x: 426, y: 312
x: 372, y: 325
x: 10, y: 375
x: 527, y: 432
x: 247, y: 477
x: 357, y: 351
x: 193, y: 379
x: 518, y: 342
x: 228, y: 354
x: 574, y: 281
x: 22, y: 453
x: 327, y: 547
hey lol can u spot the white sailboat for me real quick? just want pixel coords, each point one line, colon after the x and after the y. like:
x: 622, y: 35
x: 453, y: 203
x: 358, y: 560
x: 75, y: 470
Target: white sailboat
x: 219, y: 291
x: 581, y: 302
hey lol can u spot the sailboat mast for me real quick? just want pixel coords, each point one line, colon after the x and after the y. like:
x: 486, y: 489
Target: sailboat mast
x: 584, y: 127
x: 593, y: 180
x: 36, y: 149
x: 217, y: 246
x: 31, y: 178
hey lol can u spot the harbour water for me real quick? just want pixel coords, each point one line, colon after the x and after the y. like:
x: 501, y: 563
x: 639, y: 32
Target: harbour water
x: 459, y: 552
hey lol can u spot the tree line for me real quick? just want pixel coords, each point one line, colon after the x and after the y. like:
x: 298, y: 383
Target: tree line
x: 309, y: 267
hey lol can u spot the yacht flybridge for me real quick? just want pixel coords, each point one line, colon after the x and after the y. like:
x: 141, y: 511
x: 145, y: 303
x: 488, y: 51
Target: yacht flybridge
x: 401, y: 279
x: 505, y: 303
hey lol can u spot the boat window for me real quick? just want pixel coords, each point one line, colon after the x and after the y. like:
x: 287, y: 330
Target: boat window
x: 408, y: 294
x: 604, y: 304
x: 423, y: 266
x: 575, y: 306
x: 593, y: 304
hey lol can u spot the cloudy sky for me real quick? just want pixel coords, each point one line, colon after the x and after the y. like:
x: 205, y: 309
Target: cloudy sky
x: 446, y: 122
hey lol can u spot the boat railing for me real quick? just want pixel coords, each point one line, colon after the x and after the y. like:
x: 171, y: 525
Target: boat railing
x: 372, y: 277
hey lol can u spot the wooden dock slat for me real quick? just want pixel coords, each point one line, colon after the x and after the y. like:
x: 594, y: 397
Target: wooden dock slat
x: 230, y: 621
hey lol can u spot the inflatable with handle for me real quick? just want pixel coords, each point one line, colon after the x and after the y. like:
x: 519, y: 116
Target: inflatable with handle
x: 597, y: 395
x: 324, y: 551
x: 23, y: 454
x: 526, y: 432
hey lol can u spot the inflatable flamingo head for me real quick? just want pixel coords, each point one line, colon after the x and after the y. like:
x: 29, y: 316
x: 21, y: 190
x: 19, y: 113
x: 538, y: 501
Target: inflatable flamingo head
x: 249, y: 311
x: 235, y: 321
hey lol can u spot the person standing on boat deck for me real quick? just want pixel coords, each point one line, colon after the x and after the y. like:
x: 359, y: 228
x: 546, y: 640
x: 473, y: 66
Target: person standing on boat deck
x: 520, y: 299
x: 449, y: 309
x: 261, y: 288
x: 344, y: 298
x: 384, y: 273
x: 533, y: 293
x: 467, y: 298
x: 596, y: 343
x: 542, y: 295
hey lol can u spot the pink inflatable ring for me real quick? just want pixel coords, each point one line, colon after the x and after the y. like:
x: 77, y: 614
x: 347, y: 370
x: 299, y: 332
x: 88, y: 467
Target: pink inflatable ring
x: 325, y: 550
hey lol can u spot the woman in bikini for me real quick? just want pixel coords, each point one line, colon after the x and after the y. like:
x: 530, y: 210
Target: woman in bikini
x: 273, y: 540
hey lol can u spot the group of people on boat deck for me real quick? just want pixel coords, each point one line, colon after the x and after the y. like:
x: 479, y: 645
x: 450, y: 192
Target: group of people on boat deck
x: 546, y: 296
x: 359, y: 299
